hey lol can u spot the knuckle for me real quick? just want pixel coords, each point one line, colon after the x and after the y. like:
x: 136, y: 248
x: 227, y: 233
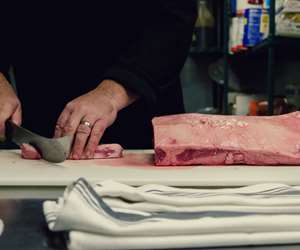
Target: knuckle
x: 58, y: 126
x: 16, y: 102
x: 83, y: 130
x: 99, y: 127
x: 76, y: 150
x: 69, y: 106
x: 57, y: 132
x: 82, y: 108
x: 78, y: 145
x: 92, y: 143
x: 97, y: 133
x: 68, y: 128
x: 93, y: 140
x: 60, y: 122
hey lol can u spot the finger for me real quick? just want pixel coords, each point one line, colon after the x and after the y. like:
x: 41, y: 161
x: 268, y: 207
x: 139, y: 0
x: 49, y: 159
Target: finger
x: 94, y: 139
x: 72, y: 123
x: 82, y: 134
x: 17, y: 115
x: 61, y: 122
x: 5, y: 113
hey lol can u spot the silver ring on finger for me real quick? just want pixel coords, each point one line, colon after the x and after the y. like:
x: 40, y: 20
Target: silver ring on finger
x: 86, y: 123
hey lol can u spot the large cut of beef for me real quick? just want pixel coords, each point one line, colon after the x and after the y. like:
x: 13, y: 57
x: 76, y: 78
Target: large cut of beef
x: 192, y: 139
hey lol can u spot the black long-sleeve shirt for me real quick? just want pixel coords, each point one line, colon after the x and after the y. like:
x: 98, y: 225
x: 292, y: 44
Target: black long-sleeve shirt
x: 61, y: 51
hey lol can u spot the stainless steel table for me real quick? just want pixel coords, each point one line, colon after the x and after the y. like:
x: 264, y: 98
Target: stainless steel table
x: 25, y: 229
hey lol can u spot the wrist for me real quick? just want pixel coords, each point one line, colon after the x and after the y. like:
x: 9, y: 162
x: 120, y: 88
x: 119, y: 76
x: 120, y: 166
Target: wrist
x: 116, y: 93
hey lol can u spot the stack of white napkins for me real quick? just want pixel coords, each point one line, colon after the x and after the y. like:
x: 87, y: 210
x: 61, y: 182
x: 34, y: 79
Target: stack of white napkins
x: 1, y: 227
x: 112, y: 215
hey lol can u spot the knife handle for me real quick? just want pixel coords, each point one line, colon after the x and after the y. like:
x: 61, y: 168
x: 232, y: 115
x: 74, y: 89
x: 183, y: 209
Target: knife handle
x: 8, y: 130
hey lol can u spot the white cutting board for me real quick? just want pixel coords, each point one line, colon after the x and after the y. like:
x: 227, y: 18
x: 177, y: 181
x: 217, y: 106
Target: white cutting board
x: 136, y: 169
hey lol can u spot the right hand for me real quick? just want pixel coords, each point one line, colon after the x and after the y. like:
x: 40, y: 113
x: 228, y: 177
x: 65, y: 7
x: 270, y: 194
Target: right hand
x: 10, y: 106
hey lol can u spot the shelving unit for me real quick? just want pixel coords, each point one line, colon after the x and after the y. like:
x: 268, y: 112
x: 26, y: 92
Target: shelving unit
x: 269, y: 44
x: 226, y: 16
x: 272, y: 46
x: 271, y: 62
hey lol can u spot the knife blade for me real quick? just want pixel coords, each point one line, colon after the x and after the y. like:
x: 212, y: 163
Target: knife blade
x: 52, y: 149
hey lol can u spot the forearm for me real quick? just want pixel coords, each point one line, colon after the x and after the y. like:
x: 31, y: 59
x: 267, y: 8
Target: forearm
x: 120, y: 96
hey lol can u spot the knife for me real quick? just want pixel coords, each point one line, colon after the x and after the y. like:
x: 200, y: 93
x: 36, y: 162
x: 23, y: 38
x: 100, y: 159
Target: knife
x: 53, y: 150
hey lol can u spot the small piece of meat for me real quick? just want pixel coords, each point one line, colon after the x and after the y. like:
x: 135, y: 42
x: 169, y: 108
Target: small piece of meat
x: 198, y: 139
x: 29, y: 152
x: 103, y: 151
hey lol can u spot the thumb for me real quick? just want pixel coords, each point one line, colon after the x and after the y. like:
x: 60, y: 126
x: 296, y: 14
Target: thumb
x: 17, y: 115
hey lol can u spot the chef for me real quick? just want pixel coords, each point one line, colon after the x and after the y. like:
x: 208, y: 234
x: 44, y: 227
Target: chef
x: 95, y: 71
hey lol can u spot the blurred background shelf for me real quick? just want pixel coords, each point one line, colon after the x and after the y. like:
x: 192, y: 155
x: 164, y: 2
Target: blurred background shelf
x: 269, y: 47
x: 278, y: 42
x: 263, y: 70
x: 209, y: 51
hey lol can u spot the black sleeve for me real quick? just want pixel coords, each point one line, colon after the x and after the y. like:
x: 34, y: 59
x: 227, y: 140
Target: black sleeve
x: 3, y: 64
x: 156, y: 58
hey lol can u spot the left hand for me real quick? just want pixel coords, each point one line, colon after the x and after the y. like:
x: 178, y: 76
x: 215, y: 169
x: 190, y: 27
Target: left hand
x: 87, y: 117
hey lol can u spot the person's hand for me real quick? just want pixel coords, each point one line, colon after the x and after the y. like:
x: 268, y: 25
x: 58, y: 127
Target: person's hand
x: 10, y: 106
x: 87, y: 117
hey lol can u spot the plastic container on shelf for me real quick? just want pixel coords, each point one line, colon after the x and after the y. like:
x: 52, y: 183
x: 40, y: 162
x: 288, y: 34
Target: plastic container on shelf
x: 288, y: 19
x: 256, y: 27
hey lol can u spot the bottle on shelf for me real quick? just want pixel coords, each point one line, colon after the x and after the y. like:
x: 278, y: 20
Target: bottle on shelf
x: 205, y: 32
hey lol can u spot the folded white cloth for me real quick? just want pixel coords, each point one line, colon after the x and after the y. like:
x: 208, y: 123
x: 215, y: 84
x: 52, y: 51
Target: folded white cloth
x: 1, y: 227
x: 112, y: 215
x: 88, y: 241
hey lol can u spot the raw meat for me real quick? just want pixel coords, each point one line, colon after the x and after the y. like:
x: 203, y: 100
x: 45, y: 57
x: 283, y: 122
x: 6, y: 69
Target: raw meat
x: 103, y: 151
x: 29, y: 152
x: 192, y: 139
